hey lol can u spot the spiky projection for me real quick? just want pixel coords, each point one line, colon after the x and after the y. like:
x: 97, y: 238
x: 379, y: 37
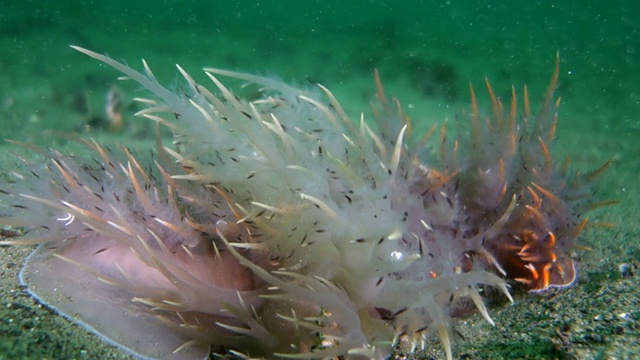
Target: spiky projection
x: 281, y: 228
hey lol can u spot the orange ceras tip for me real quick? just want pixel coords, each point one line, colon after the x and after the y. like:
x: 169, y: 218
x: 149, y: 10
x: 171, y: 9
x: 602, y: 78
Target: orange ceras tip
x: 552, y: 239
x: 546, y: 275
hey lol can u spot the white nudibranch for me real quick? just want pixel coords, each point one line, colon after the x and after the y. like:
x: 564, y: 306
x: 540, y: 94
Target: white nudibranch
x: 280, y: 228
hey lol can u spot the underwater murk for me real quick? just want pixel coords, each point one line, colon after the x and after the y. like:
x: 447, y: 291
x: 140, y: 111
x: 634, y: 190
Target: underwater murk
x: 282, y: 228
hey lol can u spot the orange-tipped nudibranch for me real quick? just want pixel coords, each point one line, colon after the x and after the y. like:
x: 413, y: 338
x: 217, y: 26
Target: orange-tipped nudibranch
x: 281, y: 228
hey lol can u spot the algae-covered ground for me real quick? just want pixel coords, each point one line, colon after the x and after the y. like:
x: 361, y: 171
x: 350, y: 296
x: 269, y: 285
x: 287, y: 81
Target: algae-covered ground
x: 426, y: 55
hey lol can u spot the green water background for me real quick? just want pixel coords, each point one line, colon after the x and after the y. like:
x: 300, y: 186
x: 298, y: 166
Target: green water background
x: 427, y: 53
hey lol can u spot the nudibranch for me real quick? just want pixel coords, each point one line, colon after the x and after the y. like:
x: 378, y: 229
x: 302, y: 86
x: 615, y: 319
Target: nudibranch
x: 281, y: 228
